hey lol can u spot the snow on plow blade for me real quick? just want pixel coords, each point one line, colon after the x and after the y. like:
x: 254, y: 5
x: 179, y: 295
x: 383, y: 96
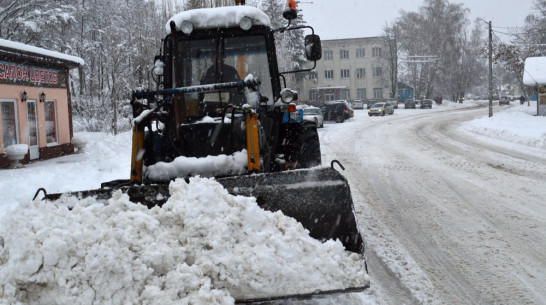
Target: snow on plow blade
x: 320, y: 199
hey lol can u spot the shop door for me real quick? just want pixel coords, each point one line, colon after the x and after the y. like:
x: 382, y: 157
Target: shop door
x: 32, y: 130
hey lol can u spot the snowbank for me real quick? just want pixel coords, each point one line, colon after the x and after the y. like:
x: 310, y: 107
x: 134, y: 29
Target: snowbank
x: 204, y: 246
x: 511, y: 126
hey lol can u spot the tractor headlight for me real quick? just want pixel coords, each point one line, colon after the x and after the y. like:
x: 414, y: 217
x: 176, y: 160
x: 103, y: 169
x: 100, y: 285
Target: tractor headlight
x: 245, y: 23
x: 186, y: 27
x: 288, y: 95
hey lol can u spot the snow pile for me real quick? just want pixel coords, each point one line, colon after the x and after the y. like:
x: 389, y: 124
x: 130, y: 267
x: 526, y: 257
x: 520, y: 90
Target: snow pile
x: 513, y: 125
x: 218, y: 17
x: 16, y: 149
x: 222, y: 248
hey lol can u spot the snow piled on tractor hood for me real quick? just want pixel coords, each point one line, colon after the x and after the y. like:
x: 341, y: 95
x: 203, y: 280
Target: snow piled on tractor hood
x: 204, y: 246
x: 219, y: 17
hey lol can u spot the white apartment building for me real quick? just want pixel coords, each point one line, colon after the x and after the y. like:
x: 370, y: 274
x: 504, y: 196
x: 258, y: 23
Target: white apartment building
x: 350, y: 69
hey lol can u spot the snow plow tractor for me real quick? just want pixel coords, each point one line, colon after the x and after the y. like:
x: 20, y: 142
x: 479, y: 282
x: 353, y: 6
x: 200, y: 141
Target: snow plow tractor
x: 221, y: 96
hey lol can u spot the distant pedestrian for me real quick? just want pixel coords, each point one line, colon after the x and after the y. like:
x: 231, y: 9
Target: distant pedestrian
x: 521, y: 100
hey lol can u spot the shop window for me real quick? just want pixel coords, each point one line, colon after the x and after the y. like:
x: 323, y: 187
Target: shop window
x: 9, y: 123
x: 50, y: 121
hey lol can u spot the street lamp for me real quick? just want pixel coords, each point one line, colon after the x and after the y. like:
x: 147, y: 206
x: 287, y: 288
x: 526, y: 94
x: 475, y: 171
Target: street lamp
x: 490, y: 55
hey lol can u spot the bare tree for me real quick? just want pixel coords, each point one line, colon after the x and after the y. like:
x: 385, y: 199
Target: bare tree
x: 434, y: 38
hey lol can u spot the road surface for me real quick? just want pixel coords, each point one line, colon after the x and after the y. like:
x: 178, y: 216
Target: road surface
x: 447, y: 218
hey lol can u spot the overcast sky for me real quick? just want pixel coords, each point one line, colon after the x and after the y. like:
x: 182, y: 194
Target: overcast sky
x: 364, y: 18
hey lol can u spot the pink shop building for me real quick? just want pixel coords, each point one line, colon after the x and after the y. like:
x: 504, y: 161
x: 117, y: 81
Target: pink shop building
x: 35, y: 105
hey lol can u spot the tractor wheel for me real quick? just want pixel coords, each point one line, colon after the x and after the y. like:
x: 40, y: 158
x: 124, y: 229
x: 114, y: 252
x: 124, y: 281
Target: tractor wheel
x: 309, y: 155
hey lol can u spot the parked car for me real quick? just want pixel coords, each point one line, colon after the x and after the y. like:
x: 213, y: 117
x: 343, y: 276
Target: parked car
x: 313, y: 114
x: 371, y: 103
x: 504, y: 100
x: 394, y: 102
x: 337, y: 111
x: 426, y: 104
x: 358, y: 104
x: 381, y: 109
x: 409, y: 104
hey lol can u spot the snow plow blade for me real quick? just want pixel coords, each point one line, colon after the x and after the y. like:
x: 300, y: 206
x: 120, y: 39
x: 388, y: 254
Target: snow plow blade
x: 320, y: 199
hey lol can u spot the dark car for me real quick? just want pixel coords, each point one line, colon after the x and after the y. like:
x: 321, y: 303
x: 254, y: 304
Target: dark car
x: 426, y: 104
x: 409, y: 104
x: 337, y: 111
x: 504, y: 100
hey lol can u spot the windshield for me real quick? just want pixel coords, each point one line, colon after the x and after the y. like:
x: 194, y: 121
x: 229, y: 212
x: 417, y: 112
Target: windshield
x: 313, y: 111
x: 218, y: 60
x: 378, y: 105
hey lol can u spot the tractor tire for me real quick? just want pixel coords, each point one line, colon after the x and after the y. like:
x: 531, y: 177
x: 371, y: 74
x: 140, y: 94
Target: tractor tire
x: 309, y: 154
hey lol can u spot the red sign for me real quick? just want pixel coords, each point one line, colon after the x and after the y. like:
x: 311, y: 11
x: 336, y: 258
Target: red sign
x: 12, y: 73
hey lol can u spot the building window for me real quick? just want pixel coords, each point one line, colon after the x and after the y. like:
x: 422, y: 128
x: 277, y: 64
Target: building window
x: 360, y: 73
x: 361, y: 93
x: 313, y: 96
x: 313, y: 75
x: 377, y: 71
x: 344, y: 54
x: 376, y: 52
x: 345, y: 73
x: 50, y: 121
x: 328, y: 55
x: 378, y: 93
x: 361, y: 52
x: 9, y: 125
x: 329, y: 74
x: 329, y: 97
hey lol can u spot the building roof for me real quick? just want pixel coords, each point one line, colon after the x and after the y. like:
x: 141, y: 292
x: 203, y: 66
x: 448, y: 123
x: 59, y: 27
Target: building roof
x: 18, y: 49
x: 534, y: 72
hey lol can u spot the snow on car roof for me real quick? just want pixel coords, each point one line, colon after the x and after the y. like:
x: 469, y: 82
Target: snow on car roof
x: 219, y: 17
x: 17, y: 46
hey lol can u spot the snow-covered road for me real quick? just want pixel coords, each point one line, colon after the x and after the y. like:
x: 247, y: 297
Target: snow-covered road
x: 452, y: 210
x: 448, y: 218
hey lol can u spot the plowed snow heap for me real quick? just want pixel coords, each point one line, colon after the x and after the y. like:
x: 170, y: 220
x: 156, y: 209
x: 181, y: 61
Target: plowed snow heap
x: 204, y: 246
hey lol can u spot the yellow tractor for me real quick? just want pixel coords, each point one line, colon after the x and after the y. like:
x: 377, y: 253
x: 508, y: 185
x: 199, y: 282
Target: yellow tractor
x: 220, y: 93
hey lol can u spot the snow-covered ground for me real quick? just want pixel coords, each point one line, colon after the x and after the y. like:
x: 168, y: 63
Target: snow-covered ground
x: 124, y: 252
x: 451, y: 203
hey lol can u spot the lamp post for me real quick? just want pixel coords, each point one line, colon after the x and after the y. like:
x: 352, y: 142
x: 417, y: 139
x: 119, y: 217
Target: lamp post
x: 490, y: 70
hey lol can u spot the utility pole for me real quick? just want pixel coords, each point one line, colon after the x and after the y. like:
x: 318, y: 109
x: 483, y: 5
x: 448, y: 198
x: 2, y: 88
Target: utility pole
x: 490, y: 71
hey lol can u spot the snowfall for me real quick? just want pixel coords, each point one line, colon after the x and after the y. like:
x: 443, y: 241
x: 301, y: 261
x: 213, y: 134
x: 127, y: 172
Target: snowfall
x: 204, y: 246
